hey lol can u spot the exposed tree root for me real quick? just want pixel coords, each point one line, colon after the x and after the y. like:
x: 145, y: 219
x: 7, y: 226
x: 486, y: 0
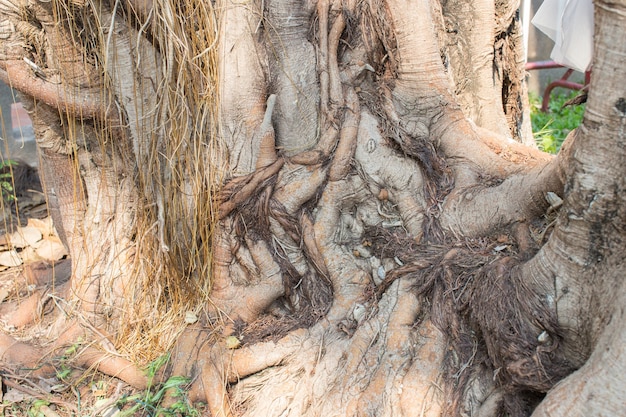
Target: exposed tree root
x: 114, y: 366
x: 32, y: 308
x: 398, y: 348
x: 498, y: 203
x: 26, y: 312
x: 366, y: 254
x: 241, y: 188
x: 23, y: 355
x: 422, y: 387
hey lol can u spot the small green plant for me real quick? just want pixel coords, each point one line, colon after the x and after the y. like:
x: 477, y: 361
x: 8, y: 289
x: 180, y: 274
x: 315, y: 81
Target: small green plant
x: 6, y: 180
x: 149, y: 402
x: 64, y: 370
x: 35, y: 409
x: 551, y: 128
x: 154, y: 366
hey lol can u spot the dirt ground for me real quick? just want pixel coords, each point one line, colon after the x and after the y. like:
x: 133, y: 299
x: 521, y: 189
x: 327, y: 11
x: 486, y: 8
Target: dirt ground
x: 33, y: 260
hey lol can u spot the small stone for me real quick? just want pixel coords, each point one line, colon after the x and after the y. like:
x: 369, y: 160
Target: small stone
x: 359, y: 312
x: 383, y: 195
x: 381, y: 272
x: 544, y: 337
x: 190, y: 317
x: 554, y: 200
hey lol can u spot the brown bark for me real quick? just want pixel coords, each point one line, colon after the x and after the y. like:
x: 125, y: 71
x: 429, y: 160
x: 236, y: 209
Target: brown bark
x: 584, y: 255
x: 472, y: 55
x: 88, y: 105
x: 372, y: 251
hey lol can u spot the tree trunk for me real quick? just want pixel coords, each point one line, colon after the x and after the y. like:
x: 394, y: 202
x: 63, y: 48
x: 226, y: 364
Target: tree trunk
x: 326, y: 208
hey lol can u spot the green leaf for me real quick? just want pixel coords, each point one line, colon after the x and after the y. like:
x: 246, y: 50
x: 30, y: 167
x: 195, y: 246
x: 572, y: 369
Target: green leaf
x: 551, y: 128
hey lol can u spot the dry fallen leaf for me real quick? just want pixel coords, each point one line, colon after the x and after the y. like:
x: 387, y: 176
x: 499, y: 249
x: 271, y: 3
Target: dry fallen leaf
x: 10, y: 258
x: 45, y: 226
x: 29, y: 254
x: 4, y: 293
x: 30, y: 234
x: 22, y: 237
x: 232, y: 342
x: 51, y: 249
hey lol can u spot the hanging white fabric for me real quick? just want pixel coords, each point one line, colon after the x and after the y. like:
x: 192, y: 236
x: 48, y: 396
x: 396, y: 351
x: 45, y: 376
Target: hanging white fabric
x: 569, y: 23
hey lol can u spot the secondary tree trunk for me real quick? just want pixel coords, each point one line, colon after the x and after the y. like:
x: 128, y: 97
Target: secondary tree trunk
x: 325, y: 207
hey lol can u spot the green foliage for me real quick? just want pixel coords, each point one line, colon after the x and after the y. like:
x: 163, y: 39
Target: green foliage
x: 154, y: 366
x: 551, y: 128
x: 149, y: 402
x: 34, y: 410
x: 6, y: 180
x: 64, y: 370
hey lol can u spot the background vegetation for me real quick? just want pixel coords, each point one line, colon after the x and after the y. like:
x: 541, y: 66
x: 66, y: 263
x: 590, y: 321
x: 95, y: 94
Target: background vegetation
x: 551, y: 128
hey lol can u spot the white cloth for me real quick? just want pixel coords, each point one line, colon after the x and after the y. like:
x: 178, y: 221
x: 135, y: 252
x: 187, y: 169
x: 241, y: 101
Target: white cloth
x: 569, y: 23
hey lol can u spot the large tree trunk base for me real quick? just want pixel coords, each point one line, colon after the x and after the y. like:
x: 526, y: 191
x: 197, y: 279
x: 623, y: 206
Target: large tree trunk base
x: 291, y: 199
x: 442, y: 328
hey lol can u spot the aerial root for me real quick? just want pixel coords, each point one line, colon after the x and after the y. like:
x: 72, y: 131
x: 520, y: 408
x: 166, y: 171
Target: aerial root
x: 90, y: 104
x: 313, y: 157
x: 240, y: 189
x: 335, y: 90
x: 199, y: 353
x: 322, y: 16
x: 398, y: 347
x: 310, y: 246
x: 267, y: 137
x: 346, y: 147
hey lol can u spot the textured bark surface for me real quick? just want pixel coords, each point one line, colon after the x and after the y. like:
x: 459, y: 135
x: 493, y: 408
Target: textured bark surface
x: 325, y: 208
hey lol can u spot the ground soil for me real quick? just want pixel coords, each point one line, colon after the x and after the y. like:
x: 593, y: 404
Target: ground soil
x: 73, y: 391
